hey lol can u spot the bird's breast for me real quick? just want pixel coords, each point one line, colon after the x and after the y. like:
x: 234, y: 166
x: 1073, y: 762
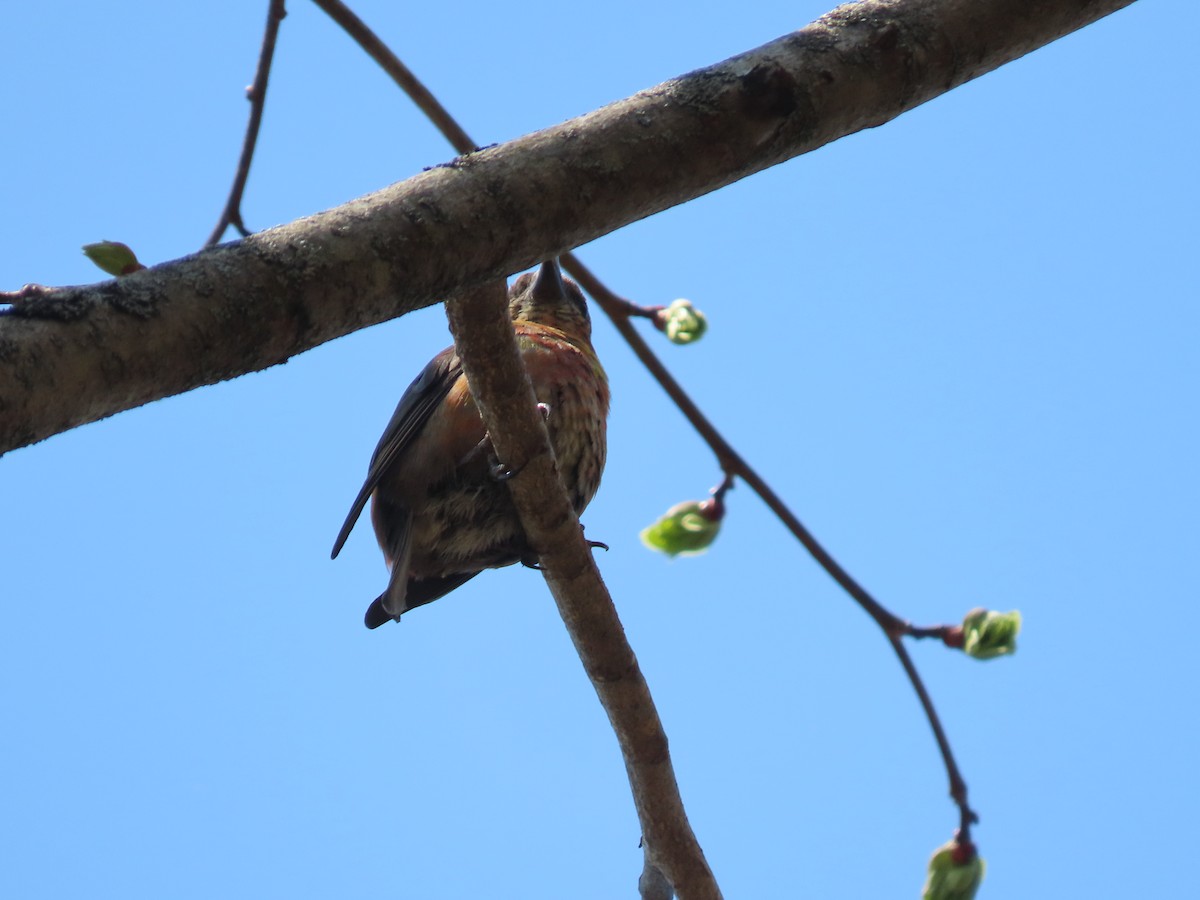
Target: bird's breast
x: 568, y: 378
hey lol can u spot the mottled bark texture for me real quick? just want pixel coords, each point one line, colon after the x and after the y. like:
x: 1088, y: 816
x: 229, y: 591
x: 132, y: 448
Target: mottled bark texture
x: 74, y: 355
x: 484, y: 337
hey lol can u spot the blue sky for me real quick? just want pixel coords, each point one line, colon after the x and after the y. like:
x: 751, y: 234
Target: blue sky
x: 962, y: 346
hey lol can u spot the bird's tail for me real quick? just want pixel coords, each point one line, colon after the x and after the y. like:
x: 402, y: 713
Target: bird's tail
x: 376, y: 614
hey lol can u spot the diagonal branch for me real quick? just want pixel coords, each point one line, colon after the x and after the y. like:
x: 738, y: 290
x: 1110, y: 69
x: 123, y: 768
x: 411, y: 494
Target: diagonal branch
x: 484, y: 338
x: 399, y: 73
x: 732, y: 463
x: 75, y: 355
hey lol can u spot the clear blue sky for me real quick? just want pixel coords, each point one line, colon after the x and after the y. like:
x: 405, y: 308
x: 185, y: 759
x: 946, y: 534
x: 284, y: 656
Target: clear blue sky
x: 963, y: 346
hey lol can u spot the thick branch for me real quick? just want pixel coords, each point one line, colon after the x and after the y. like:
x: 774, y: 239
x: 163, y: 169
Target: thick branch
x: 74, y: 355
x: 484, y: 337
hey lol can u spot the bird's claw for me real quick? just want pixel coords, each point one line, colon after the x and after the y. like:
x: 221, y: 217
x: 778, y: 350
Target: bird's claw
x: 592, y: 544
x: 502, y: 472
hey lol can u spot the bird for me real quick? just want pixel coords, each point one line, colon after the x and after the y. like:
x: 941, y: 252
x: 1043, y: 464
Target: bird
x: 441, y: 510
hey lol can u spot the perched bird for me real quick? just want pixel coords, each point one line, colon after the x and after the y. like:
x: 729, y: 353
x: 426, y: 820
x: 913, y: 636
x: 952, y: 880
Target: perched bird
x: 441, y: 511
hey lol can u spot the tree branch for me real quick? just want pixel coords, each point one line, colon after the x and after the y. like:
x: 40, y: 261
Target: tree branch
x: 257, y: 95
x: 75, y: 355
x: 652, y: 883
x: 399, y: 73
x: 732, y: 464
x: 484, y: 338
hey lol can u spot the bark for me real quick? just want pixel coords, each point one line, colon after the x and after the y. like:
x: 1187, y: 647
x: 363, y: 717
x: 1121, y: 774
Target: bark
x: 74, y: 355
x: 484, y: 337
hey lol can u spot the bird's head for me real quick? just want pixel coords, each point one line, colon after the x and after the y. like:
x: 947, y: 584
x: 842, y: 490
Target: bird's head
x: 547, y: 298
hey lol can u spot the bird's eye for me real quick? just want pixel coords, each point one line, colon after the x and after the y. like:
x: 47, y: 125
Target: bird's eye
x: 578, y: 301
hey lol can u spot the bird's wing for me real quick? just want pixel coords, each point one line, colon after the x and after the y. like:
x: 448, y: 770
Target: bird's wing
x: 412, y: 412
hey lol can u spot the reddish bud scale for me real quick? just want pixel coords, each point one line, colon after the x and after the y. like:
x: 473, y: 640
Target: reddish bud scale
x: 963, y: 853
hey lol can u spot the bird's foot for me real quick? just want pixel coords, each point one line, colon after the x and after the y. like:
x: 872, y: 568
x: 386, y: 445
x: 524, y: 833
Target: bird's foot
x: 592, y: 544
x: 502, y: 471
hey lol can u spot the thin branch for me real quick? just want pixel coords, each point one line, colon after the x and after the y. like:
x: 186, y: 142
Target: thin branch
x: 728, y: 458
x: 28, y: 294
x: 357, y: 29
x: 732, y: 463
x: 958, y: 787
x: 257, y: 95
x: 485, y: 341
x: 950, y: 635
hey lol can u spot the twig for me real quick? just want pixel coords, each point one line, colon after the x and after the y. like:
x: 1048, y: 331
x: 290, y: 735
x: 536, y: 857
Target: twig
x: 958, y: 787
x: 29, y: 293
x: 485, y: 341
x: 732, y: 463
x: 951, y: 635
x: 257, y: 95
x: 729, y: 459
x: 399, y: 72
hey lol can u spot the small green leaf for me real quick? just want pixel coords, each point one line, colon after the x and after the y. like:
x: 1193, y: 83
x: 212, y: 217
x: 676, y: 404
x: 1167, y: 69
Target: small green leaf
x: 687, y: 528
x: 955, y: 872
x: 681, y: 322
x: 988, y: 634
x: 113, y: 257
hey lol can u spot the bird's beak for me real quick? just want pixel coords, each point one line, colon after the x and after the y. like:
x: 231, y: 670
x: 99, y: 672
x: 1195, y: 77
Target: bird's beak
x: 548, y: 285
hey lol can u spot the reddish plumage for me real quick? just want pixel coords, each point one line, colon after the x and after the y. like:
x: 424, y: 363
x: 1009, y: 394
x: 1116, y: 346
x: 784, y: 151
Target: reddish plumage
x: 440, y: 513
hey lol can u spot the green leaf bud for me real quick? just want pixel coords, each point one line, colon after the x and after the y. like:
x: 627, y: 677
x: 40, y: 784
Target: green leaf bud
x: 686, y: 528
x: 681, y: 322
x: 988, y: 634
x: 113, y: 257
